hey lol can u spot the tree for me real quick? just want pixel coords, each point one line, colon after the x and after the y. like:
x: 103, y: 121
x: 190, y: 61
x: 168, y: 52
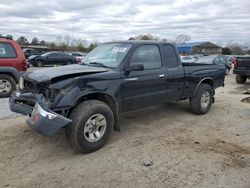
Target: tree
x: 236, y: 48
x: 22, y: 41
x: 92, y: 46
x: 143, y: 37
x: 34, y: 41
x: 79, y: 45
x: 226, y: 51
x: 182, y: 38
x: 42, y: 43
x: 64, y: 46
x: 52, y: 45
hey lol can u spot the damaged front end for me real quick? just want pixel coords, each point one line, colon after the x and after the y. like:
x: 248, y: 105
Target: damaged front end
x: 37, y: 101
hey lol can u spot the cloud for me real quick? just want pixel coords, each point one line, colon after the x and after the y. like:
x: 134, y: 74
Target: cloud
x: 107, y: 20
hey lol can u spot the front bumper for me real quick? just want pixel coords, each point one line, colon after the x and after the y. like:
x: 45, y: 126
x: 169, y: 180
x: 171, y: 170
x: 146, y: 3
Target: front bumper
x: 41, y: 118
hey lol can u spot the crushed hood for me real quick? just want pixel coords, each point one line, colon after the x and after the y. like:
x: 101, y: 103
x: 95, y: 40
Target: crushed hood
x: 47, y: 74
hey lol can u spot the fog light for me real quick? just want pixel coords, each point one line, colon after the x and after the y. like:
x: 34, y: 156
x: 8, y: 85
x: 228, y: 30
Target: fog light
x: 21, y: 83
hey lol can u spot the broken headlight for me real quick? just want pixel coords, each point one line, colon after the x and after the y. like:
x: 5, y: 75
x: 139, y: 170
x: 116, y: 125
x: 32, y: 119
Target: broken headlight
x: 21, y: 83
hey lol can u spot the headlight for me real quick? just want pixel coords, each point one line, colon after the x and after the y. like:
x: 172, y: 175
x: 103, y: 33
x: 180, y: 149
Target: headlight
x: 21, y: 83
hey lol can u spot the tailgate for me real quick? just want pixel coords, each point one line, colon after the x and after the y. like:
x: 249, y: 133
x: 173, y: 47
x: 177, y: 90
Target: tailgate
x: 243, y: 63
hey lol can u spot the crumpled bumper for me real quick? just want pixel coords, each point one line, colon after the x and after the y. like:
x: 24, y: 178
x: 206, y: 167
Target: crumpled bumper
x: 41, y: 118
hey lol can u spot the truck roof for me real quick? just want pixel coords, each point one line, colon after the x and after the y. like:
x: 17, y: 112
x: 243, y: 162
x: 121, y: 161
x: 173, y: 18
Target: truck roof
x: 139, y: 42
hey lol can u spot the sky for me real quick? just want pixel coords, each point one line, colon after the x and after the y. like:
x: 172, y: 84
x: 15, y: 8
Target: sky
x: 218, y: 21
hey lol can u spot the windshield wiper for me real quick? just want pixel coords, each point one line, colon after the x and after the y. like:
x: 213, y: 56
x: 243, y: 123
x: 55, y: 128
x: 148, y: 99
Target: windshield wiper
x: 98, y: 64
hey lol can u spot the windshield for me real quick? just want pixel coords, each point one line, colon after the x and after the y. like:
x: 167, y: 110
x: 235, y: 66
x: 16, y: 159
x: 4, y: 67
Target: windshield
x: 205, y: 60
x: 107, y: 55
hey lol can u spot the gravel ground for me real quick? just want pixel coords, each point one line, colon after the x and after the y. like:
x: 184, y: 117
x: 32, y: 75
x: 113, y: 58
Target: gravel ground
x: 5, y: 110
x: 179, y: 149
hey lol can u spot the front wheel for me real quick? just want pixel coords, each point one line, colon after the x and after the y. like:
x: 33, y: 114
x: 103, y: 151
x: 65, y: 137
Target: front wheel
x: 92, y: 122
x: 202, y: 101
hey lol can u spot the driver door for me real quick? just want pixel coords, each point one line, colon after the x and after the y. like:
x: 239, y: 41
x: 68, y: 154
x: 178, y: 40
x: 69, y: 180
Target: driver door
x: 144, y: 87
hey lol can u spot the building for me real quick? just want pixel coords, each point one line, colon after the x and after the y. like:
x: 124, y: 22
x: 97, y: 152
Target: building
x: 205, y: 48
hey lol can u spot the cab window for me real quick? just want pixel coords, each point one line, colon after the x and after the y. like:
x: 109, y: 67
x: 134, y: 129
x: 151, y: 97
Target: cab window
x: 171, y: 56
x: 148, y: 55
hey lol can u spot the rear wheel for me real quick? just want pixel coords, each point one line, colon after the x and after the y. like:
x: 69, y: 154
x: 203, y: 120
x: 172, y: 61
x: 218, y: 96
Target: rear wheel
x: 7, y: 85
x: 202, y: 101
x: 241, y: 79
x: 92, y: 122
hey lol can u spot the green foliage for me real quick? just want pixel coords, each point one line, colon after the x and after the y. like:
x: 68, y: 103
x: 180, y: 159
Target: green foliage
x: 35, y: 41
x: 42, y: 43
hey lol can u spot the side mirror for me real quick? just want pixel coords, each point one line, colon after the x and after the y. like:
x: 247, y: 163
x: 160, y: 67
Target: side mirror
x: 136, y: 67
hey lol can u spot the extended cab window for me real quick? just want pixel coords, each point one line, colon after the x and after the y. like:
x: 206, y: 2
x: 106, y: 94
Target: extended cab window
x: 171, y: 57
x: 7, y: 50
x: 148, y: 55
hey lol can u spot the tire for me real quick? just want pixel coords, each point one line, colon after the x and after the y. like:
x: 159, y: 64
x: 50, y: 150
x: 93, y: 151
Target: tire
x: 68, y: 62
x: 7, y: 85
x: 39, y: 63
x: 82, y: 116
x: 240, y: 79
x: 227, y: 71
x: 202, y: 101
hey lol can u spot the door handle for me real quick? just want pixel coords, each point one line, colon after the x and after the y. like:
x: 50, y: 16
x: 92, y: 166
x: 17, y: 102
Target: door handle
x: 131, y: 79
x: 161, y: 75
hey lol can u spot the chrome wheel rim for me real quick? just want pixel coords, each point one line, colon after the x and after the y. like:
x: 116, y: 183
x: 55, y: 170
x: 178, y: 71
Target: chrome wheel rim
x: 5, y: 86
x: 95, y: 128
x: 205, y: 99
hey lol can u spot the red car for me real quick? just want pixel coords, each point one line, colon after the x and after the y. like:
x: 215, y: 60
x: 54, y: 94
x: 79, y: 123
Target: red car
x: 12, y: 63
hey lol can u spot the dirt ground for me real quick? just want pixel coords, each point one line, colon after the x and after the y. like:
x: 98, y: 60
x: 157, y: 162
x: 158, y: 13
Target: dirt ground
x: 187, y: 150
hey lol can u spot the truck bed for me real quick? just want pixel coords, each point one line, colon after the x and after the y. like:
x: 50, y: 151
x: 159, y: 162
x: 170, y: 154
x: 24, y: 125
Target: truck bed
x: 195, y: 73
x: 242, y: 66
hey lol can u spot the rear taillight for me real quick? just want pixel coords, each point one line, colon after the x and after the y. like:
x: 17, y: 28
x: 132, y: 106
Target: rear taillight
x: 25, y: 64
x: 236, y: 62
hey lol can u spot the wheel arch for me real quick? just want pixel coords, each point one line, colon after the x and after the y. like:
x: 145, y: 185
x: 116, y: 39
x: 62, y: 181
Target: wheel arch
x: 10, y: 71
x: 207, y: 80
x: 39, y: 59
x: 107, y: 99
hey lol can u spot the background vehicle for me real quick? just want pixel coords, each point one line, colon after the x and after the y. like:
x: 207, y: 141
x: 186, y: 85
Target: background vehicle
x: 52, y: 58
x: 187, y: 59
x: 78, y: 55
x: 29, y: 52
x: 242, y: 68
x: 12, y: 62
x: 216, y: 59
x: 115, y: 77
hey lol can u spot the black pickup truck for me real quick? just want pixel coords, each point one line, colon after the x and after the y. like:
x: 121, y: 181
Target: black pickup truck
x: 242, y: 68
x: 115, y: 77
